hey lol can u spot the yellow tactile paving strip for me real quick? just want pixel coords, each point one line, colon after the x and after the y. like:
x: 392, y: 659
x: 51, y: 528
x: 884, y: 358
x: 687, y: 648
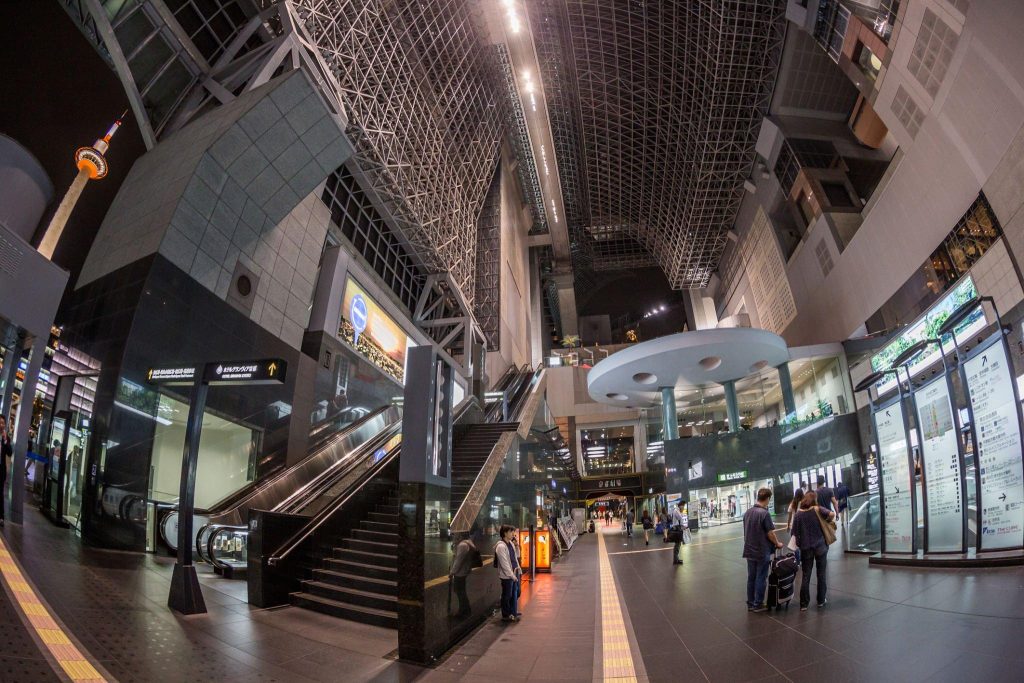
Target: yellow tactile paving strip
x: 67, y: 655
x: 617, y: 658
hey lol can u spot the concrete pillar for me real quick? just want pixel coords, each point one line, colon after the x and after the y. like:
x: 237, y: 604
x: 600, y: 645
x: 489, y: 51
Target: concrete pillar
x: 700, y: 310
x: 786, y: 385
x: 21, y: 425
x: 669, y: 420
x: 330, y: 290
x: 537, y: 332
x: 732, y: 406
x: 567, y: 304
x: 10, y: 370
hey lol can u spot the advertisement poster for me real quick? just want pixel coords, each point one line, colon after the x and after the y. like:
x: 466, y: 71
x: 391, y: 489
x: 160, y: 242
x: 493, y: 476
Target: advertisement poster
x: 998, y: 448
x: 373, y: 332
x: 898, y: 513
x: 941, y: 455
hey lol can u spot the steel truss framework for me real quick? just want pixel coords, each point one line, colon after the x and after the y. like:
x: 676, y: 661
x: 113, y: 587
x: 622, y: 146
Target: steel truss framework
x: 656, y: 107
x: 418, y: 87
x: 412, y: 82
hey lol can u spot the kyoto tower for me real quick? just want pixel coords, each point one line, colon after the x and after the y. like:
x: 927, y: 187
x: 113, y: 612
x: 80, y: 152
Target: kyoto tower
x: 92, y: 165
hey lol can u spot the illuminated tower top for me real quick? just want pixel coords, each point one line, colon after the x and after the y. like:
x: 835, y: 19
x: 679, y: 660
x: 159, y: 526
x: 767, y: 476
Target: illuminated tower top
x: 92, y: 165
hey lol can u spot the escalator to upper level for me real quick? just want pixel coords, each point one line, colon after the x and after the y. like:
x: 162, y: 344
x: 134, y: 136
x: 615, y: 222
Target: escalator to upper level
x: 344, y: 557
x: 221, y: 529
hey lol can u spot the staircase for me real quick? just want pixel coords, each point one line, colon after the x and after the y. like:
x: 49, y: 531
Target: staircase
x: 469, y: 455
x: 359, y: 581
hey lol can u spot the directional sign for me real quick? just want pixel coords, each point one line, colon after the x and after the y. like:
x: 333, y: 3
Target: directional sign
x: 269, y: 371
x: 182, y: 374
x: 357, y: 315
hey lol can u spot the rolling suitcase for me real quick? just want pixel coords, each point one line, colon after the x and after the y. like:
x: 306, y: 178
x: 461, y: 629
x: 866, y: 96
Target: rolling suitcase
x: 781, y: 580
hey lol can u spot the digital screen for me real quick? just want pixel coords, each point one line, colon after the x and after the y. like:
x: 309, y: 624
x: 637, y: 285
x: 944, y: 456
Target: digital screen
x: 926, y: 328
x: 373, y: 332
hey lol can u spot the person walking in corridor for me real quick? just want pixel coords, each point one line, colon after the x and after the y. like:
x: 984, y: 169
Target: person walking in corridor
x: 647, y: 523
x: 792, y: 510
x: 629, y: 523
x: 842, y: 493
x: 666, y: 524
x: 678, y: 524
x: 810, y: 537
x: 6, y: 452
x: 826, y: 496
x: 509, y: 572
x: 759, y: 542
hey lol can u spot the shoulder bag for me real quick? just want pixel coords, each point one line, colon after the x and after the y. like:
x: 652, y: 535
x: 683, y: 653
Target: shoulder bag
x: 828, y: 527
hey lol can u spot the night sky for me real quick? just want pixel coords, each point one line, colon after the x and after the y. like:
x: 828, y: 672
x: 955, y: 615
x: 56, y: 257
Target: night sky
x: 57, y: 94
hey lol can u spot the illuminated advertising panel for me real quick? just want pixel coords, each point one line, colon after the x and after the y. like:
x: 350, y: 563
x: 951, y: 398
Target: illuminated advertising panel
x: 373, y: 332
x: 927, y: 327
x: 543, y: 549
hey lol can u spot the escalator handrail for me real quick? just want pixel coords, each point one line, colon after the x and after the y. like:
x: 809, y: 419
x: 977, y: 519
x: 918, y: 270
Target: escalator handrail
x: 324, y: 515
x: 233, y: 500
x: 317, y: 520
x: 215, y: 529
x: 313, y: 489
x: 516, y: 407
x: 509, y: 390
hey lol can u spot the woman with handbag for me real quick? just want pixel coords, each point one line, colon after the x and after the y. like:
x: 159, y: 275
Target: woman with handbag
x: 814, y: 529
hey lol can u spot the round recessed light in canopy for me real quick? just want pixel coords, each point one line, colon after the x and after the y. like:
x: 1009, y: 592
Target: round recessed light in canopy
x: 618, y: 397
x: 710, y: 362
x: 646, y: 378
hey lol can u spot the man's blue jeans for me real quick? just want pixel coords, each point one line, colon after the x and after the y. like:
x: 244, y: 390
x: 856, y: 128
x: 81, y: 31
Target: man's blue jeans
x: 509, y: 597
x: 757, y: 580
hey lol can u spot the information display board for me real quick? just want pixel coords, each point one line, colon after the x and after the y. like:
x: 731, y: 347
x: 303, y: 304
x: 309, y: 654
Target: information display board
x: 894, y: 459
x: 997, y: 438
x: 940, y: 452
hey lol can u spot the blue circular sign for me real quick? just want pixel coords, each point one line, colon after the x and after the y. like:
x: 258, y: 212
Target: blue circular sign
x: 357, y: 314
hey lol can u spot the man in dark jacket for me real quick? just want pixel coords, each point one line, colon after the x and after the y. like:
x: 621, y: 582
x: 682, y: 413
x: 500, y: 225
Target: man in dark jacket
x: 759, y: 542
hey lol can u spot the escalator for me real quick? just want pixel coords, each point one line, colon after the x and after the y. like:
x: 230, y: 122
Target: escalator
x: 222, y: 531
x: 344, y: 558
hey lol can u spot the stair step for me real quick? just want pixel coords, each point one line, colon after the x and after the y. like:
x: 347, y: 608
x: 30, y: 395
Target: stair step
x: 387, y: 509
x: 357, y: 581
x: 376, y: 536
x: 352, y: 596
x: 383, y: 517
x: 363, y: 557
x: 378, y: 547
x: 386, y: 527
x: 364, y: 569
x: 365, y: 615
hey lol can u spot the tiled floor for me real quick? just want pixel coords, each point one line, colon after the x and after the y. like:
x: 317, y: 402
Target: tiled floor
x: 683, y: 623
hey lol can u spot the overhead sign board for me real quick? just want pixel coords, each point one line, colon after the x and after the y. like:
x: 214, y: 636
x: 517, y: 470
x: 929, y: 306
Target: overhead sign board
x: 267, y: 371
x: 732, y: 476
x: 182, y: 374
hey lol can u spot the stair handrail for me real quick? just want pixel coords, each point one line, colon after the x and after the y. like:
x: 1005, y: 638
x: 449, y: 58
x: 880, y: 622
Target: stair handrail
x: 470, y: 507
